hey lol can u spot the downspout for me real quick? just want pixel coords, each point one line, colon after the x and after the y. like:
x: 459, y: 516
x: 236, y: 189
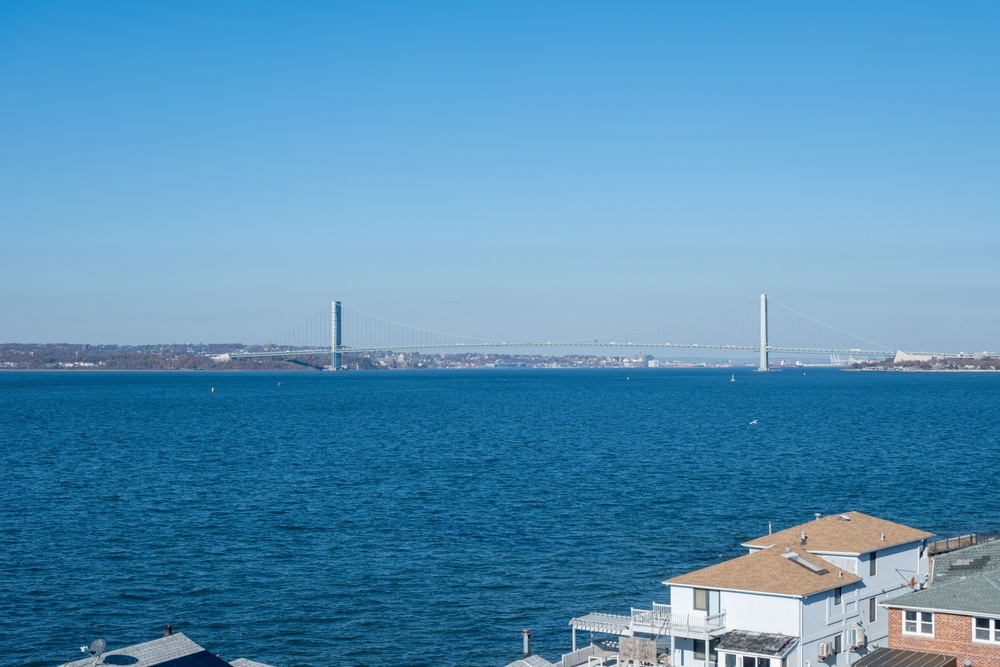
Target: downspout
x: 802, y: 605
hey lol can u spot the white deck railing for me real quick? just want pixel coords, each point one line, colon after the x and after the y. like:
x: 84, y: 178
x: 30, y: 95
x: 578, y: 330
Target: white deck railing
x: 656, y: 619
x: 583, y: 656
x: 660, y: 620
x: 698, y: 623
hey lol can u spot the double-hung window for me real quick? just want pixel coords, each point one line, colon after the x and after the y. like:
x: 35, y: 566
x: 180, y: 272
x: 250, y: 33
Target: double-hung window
x: 986, y: 630
x: 918, y: 623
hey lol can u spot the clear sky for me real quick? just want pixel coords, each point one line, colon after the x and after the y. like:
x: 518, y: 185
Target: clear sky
x: 210, y: 172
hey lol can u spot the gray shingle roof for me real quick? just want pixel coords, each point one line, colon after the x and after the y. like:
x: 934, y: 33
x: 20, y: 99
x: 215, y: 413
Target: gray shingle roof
x: 175, y: 649
x: 964, y: 562
x: 148, y: 654
x: 531, y: 661
x: 974, y: 594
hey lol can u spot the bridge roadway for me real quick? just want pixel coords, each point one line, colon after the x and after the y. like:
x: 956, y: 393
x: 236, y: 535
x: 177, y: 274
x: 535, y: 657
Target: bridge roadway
x: 636, y: 347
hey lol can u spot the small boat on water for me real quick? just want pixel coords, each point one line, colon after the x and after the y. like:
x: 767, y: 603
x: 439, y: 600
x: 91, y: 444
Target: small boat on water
x: 732, y: 378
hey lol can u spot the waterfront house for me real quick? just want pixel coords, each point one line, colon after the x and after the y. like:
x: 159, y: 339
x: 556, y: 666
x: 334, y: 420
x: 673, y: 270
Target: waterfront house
x: 957, y: 617
x: 819, y: 584
x: 807, y: 596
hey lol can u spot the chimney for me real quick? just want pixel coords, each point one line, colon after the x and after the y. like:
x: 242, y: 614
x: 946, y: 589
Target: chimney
x: 168, y: 630
x: 526, y: 636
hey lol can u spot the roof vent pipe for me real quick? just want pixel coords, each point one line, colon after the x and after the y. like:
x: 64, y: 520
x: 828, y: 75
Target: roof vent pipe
x: 883, y: 536
x: 818, y: 515
x: 526, y: 636
x: 803, y: 537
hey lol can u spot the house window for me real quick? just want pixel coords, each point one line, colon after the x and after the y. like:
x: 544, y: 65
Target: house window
x: 986, y: 630
x: 730, y: 660
x: 750, y: 661
x: 872, y: 565
x: 871, y: 610
x: 701, y: 599
x: 838, y: 642
x: 699, y: 649
x: 838, y: 596
x: 918, y: 623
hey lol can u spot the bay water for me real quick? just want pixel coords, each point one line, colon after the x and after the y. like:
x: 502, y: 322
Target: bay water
x: 426, y: 517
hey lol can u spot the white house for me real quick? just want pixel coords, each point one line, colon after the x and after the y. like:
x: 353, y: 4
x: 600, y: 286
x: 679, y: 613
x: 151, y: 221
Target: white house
x: 807, y: 596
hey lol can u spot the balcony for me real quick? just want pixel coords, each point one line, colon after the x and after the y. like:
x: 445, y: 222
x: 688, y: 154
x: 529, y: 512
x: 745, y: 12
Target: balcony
x: 658, y: 621
x: 661, y: 621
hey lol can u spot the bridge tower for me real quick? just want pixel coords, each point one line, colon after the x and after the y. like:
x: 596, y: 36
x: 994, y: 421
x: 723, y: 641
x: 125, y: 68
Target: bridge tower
x: 335, y: 336
x: 763, y: 333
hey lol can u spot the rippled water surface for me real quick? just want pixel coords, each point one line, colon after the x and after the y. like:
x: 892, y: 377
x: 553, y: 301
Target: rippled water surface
x: 425, y: 518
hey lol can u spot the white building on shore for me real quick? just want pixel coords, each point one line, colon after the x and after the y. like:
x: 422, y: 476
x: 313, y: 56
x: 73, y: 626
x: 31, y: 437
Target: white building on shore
x: 807, y: 596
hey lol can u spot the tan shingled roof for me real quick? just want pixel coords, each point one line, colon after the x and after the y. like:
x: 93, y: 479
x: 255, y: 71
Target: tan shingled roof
x: 832, y: 534
x: 769, y: 571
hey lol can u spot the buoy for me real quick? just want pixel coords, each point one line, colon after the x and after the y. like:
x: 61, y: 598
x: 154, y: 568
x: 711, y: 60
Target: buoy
x: 213, y: 390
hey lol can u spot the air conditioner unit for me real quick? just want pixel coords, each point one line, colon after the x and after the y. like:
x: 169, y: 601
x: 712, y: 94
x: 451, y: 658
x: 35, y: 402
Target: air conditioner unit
x: 857, y: 637
x: 824, y: 650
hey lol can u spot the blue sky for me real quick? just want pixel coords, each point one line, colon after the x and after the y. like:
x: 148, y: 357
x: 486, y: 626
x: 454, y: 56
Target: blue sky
x: 205, y: 172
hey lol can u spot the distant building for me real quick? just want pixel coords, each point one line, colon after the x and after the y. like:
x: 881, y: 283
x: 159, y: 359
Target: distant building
x: 906, y: 356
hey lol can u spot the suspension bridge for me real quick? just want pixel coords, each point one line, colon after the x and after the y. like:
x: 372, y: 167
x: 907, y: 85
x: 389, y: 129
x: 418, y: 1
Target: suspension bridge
x: 760, y: 326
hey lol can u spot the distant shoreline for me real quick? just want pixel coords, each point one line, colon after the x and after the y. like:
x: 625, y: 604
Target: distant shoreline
x: 922, y: 370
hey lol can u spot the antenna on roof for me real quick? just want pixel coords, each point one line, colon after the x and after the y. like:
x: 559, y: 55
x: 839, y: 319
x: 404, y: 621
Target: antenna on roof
x: 95, y: 649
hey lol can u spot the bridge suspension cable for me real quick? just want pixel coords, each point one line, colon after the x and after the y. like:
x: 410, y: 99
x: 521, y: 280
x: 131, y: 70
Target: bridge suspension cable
x: 365, y: 332
x: 731, y: 328
x: 790, y: 330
